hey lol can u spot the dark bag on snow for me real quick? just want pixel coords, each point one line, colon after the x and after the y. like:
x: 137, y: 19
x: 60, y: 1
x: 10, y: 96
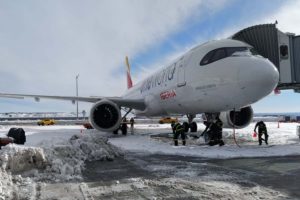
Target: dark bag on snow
x: 18, y: 134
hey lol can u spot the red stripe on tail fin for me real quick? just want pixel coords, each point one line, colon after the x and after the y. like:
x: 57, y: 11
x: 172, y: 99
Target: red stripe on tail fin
x: 129, y: 80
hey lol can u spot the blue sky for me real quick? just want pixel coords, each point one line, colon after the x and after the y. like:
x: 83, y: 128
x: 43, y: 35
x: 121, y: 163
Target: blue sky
x: 43, y: 45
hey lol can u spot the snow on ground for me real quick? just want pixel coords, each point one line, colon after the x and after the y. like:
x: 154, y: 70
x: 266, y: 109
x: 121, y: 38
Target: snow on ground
x: 58, y: 153
x: 282, y: 141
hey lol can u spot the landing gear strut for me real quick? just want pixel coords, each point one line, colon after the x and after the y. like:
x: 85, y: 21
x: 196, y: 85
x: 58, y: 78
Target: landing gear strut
x: 123, y: 125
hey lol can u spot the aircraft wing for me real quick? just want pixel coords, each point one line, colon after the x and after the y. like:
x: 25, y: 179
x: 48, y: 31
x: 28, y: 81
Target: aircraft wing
x: 138, y: 104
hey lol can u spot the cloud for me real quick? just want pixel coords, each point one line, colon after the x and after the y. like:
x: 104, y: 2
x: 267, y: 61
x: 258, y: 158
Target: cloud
x: 287, y: 15
x: 43, y: 45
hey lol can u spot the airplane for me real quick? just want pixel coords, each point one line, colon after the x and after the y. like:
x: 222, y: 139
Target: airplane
x: 218, y: 78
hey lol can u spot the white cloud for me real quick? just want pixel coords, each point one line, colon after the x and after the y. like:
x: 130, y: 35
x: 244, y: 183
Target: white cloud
x: 288, y: 17
x: 44, y: 44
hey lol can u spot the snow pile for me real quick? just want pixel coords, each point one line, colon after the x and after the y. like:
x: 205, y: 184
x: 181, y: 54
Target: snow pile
x: 62, y: 161
x: 18, y: 159
x: 66, y: 161
x: 22, y: 167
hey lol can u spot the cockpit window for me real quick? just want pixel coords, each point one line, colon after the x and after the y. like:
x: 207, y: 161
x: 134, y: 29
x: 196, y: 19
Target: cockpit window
x: 206, y: 58
x: 218, y: 55
x: 222, y: 53
x: 232, y: 50
x: 253, y: 52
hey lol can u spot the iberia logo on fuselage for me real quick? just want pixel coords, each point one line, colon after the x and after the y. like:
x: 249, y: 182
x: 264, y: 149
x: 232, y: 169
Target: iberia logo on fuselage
x: 167, y: 95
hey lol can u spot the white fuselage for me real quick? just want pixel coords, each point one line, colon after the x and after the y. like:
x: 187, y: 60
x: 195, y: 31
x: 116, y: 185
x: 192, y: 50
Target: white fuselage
x: 187, y: 87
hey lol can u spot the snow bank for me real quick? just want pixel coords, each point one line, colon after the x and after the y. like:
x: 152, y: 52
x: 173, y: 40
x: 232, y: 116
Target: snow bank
x: 18, y: 159
x: 66, y: 161
x: 59, y: 161
x: 22, y: 167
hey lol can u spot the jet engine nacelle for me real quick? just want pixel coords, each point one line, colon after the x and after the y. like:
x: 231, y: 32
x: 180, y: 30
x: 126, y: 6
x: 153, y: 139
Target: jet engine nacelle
x: 238, y: 119
x: 105, y: 115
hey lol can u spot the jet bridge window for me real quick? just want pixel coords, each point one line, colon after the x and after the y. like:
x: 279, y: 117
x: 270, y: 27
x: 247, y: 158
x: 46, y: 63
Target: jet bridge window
x: 284, y: 52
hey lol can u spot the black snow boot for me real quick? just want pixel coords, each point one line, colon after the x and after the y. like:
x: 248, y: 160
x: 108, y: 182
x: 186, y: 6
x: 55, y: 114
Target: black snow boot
x: 176, y: 143
x: 221, y: 143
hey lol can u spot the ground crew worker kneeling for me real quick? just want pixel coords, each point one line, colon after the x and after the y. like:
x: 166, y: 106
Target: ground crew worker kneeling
x: 178, y: 130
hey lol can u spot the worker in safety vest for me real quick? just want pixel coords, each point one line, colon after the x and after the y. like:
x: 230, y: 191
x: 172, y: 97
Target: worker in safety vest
x: 262, y: 130
x: 178, y: 130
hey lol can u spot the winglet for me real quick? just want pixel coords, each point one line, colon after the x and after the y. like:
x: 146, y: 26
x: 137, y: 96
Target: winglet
x: 129, y: 80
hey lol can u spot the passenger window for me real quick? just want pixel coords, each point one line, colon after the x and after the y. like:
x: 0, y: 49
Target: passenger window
x: 219, y: 54
x: 284, y: 52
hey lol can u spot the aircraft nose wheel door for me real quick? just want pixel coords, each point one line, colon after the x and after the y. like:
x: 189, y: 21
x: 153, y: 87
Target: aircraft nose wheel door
x: 181, y: 74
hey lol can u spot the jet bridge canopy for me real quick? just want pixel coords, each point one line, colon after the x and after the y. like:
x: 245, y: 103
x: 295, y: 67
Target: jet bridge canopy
x: 282, y: 49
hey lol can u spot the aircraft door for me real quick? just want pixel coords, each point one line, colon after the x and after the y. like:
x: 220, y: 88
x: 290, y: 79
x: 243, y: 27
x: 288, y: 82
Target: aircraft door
x: 180, y: 73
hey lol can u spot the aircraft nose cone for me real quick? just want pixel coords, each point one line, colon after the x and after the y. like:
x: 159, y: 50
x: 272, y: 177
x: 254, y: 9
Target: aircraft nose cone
x: 258, y: 79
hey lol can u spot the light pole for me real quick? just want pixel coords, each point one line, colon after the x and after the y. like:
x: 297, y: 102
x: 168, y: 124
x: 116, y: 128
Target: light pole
x: 77, y: 95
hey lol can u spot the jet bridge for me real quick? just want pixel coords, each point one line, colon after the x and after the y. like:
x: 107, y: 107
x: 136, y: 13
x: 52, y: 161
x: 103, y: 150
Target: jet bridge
x: 282, y: 49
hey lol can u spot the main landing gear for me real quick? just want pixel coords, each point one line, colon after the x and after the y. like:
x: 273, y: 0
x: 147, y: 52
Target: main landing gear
x: 123, y: 126
x: 212, y: 134
x: 190, y: 125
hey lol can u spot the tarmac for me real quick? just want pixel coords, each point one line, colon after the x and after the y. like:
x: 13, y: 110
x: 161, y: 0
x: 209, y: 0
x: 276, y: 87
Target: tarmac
x: 139, y: 176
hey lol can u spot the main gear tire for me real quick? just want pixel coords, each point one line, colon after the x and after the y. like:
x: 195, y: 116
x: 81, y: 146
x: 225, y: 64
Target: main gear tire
x: 116, y: 132
x: 186, y: 127
x: 193, y: 127
x: 124, y: 129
